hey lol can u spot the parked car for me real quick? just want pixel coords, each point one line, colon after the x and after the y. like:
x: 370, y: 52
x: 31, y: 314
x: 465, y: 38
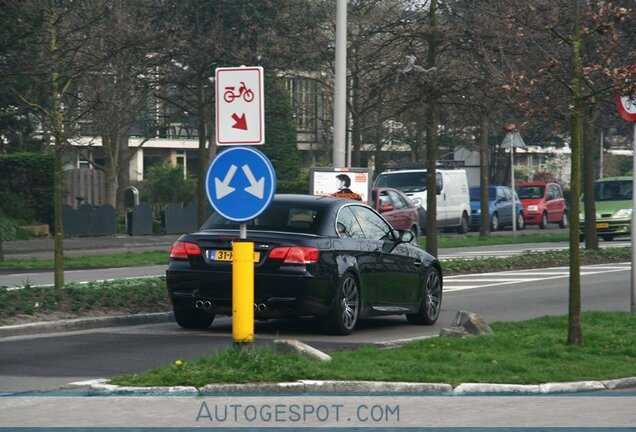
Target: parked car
x: 331, y: 258
x: 613, y: 200
x: 499, y: 208
x: 544, y: 203
x: 396, y: 208
x: 453, y: 202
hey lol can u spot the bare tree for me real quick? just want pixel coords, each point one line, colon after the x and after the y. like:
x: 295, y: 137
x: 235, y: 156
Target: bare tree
x: 553, y: 35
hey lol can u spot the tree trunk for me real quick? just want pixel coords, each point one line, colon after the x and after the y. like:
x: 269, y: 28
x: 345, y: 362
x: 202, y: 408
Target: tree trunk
x: 356, y: 139
x: 57, y: 126
x: 123, y: 171
x: 431, y: 178
x: 202, y: 155
x: 110, y: 169
x: 431, y: 142
x: 574, y: 309
x: 484, y: 166
x: 589, y: 156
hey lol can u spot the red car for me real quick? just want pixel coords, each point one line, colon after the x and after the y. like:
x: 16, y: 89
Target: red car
x: 396, y: 208
x: 544, y: 203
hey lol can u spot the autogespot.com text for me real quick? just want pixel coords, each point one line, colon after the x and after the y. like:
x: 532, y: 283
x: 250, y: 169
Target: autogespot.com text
x: 298, y: 413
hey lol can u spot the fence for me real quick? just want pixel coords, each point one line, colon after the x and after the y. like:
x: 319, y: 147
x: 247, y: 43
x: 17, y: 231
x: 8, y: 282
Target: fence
x: 95, y: 221
x: 85, y: 186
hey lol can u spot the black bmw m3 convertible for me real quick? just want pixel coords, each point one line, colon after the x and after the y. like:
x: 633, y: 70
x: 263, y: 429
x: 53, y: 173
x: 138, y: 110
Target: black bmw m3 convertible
x: 331, y: 258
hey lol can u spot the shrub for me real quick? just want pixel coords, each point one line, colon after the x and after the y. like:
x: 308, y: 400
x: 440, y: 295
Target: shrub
x: 26, y: 187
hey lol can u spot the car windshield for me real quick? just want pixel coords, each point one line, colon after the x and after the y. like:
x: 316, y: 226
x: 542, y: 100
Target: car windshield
x: 617, y: 190
x: 405, y: 181
x: 277, y: 217
x: 474, y: 194
x: 530, y: 192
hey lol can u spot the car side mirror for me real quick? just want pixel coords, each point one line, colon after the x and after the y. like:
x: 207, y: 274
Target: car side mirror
x: 405, y: 236
x: 386, y: 208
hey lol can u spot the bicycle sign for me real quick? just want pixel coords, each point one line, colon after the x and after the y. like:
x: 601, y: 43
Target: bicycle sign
x: 240, y: 106
x: 230, y: 95
x: 627, y: 107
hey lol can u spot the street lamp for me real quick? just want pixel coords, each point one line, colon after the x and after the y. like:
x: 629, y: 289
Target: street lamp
x: 511, y: 140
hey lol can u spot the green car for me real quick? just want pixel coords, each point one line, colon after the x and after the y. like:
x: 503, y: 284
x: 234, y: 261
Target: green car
x: 613, y: 201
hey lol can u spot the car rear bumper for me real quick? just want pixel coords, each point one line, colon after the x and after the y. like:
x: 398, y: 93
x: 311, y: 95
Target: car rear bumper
x: 611, y: 227
x: 275, y: 295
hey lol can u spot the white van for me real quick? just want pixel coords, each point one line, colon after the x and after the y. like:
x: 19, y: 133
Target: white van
x: 453, y: 198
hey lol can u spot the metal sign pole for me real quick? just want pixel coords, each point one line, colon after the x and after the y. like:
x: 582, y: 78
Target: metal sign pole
x: 243, y: 288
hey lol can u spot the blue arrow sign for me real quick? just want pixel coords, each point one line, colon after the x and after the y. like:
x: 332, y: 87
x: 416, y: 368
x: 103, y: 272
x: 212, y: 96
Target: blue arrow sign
x: 240, y: 183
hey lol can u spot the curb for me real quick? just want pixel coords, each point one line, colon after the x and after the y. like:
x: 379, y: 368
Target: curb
x: 84, y: 324
x: 100, y: 388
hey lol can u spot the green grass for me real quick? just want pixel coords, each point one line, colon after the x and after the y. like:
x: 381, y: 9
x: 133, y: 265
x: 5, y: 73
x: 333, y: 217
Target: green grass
x: 94, y: 298
x: 473, y: 239
x: 126, y: 259
x: 526, y: 352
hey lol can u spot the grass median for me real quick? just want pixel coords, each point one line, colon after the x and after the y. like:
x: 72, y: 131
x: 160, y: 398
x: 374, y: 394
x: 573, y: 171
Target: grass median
x: 527, y: 352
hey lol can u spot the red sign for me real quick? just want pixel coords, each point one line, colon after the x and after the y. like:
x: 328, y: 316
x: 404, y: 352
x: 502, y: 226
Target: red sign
x: 627, y: 107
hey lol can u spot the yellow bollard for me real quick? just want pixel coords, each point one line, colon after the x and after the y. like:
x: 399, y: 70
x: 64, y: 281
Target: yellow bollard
x: 243, y: 291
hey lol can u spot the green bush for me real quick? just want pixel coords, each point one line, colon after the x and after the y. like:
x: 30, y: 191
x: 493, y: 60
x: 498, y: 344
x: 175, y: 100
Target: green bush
x: 8, y: 228
x: 165, y: 184
x: 26, y: 187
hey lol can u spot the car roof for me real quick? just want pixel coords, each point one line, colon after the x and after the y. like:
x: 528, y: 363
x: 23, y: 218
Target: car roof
x: 315, y: 200
x: 621, y: 178
x: 535, y: 183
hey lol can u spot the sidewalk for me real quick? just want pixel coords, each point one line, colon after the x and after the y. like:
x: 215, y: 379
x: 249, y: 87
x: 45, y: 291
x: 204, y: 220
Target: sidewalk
x: 81, y: 246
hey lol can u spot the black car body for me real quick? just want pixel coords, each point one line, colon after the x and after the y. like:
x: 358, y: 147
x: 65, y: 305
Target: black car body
x: 327, y: 257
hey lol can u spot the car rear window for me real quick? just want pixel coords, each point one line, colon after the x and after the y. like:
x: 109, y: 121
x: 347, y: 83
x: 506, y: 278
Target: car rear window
x: 277, y: 217
x: 406, y: 181
x: 476, y: 196
x: 529, y: 192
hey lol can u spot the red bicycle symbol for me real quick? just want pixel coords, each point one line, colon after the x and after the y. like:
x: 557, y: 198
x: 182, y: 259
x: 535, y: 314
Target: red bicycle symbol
x: 229, y: 95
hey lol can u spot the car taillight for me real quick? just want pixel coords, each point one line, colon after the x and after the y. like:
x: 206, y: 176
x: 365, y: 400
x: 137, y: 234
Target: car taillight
x: 181, y: 250
x: 295, y: 254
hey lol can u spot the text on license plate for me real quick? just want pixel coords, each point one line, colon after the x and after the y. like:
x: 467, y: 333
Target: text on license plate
x: 602, y: 225
x: 226, y: 255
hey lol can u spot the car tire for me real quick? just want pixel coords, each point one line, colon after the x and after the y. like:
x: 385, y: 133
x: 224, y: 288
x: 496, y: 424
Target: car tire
x: 463, y: 226
x: 544, y: 221
x: 430, y: 301
x: 521, y: 222
x: 346, y: 307
x: 191, y: 318
x: 581, y: 237
x: 564, y: 220
x: 608, y: 237
x: 494, y: 223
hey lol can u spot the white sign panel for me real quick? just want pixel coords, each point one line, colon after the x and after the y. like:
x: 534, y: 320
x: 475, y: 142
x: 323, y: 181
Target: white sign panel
x: 352, y: 183
x: 240, y: 107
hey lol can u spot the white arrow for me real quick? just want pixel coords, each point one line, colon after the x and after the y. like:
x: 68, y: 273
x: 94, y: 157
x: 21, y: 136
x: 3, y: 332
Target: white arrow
x: 223, y: 188
x: 256, y: 187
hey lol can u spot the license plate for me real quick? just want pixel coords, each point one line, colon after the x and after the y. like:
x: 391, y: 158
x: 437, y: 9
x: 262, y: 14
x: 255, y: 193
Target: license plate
x: 602, y: 225
x: 226, y: 255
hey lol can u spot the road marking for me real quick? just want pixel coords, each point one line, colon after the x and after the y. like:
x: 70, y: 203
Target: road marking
x: 484, y: 280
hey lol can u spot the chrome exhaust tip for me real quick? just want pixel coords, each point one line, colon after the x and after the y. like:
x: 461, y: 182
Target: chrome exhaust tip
x: 261, y: 307
x: 207, y: 305
x: 198, y: 304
